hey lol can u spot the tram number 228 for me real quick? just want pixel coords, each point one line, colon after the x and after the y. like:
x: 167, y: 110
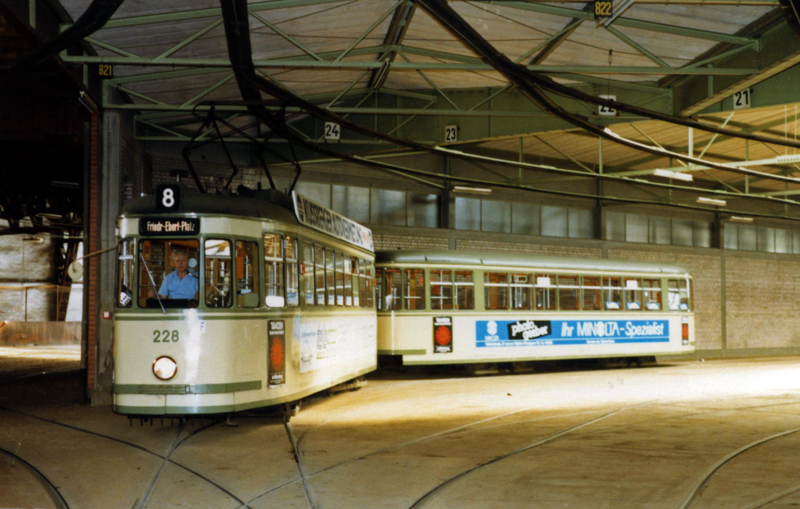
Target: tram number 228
x: 166, y: 336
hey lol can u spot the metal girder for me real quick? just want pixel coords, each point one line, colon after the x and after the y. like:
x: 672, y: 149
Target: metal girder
x: 780, y: 50
x: 190, y: 14
x: 394, y: 37
x: 295, y: 64
x: 626, y: 22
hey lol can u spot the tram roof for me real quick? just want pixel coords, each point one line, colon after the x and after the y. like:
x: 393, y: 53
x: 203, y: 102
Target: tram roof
x: 258, y: 204
x: 518, y: 260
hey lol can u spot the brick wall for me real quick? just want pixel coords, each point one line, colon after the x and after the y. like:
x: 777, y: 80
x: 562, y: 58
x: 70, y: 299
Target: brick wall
x: 524, y: 248
x: 390, y: 242
x: 762, y: 296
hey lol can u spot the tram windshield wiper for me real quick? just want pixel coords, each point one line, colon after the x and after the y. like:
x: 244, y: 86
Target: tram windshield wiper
x: 153, y: 282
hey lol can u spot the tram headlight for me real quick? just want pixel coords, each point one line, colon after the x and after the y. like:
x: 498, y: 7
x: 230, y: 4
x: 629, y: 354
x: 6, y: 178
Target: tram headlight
x: 165, y: 368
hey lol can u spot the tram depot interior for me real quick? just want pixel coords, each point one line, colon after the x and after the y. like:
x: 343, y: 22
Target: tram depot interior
x: 628, y: 163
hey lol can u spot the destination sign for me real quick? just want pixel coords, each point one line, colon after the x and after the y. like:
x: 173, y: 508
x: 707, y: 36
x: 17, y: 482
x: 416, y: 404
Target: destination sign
x: 164, y: 227
x: 314, y: 215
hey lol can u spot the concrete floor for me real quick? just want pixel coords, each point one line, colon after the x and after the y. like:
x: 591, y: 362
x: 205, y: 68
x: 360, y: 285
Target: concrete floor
x: 695, y: 434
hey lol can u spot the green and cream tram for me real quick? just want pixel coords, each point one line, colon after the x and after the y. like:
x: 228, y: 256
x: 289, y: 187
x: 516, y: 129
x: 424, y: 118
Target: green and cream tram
x: 228, y: 303
x: 453, y: 307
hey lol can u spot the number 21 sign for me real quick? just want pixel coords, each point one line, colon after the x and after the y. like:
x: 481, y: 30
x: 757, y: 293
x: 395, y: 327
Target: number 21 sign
x: 741, y: 99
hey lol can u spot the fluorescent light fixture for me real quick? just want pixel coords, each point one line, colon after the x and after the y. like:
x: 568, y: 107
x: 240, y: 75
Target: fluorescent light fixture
x: 711, y: 201
x: 740, y: 219
x: 793, y: 158
x: 473, y: 190
x: 673, y: 175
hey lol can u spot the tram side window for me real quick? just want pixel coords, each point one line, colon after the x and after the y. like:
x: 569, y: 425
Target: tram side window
x: 308, y: 273
x: 379, y: 287
x: 679, y: 295
x: 339, y: 279
x: 247, y: 294
x: 292, y: 278
x: 319, y: 273
x: 592, y: 293
x: 545, y: 292
x: 273, y: 270
x: 370, y: 284
x: 568, y: 293
x: 414, y: 287
x: 218, y: 265
x: 330, y: 275
x: 348, y: 280
x: 392, y: 289
x: 355, y: 263
x: 364, y: 285
x: 465, y: 289
x: 612, y: 293
x: 168, y: 274
x: 127, y: 260
x: 495, y: 290
x: 521, y: 291
x: 633, y: 294
x: 652, y: 294
x: 441, y: 289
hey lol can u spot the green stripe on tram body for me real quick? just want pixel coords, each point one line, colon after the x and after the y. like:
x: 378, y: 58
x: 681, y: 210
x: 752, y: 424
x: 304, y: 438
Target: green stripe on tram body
x: 225, y: 409
x: 186, y: 389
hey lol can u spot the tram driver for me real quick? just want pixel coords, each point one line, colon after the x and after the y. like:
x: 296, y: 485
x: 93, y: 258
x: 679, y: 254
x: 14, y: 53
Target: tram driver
x: 182, y: 283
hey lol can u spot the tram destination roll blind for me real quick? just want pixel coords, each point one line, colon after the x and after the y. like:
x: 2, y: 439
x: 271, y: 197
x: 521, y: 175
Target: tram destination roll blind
x: 314, y: 215
x: 169, y: 227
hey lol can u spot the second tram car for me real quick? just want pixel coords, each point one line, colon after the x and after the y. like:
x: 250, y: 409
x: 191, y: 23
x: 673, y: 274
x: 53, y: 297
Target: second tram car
x: 454, y: 307
x: 228, y: 303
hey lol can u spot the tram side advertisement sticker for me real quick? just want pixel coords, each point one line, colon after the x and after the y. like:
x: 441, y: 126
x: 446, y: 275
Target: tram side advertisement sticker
x: 276, y: 360
x: 442, y: 334
x: 502, y: 333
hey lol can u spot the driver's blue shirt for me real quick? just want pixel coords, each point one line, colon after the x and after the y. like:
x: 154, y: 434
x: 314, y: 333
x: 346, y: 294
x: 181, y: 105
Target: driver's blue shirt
x: 176, y: 288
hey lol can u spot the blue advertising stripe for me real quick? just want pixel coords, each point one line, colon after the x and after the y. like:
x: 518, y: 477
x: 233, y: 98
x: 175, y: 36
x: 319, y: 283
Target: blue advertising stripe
x: 526, y: 332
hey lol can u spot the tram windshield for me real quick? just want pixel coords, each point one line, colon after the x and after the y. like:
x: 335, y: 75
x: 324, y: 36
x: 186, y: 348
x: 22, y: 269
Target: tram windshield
x: 168, y: 273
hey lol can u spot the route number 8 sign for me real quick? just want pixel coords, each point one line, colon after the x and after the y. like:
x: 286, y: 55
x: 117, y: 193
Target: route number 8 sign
x: 168, y: 196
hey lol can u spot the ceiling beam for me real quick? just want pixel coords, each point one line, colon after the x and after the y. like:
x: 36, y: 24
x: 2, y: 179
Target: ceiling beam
x: 625, y: 22
x: 295, y: 64
x: 780, y: 50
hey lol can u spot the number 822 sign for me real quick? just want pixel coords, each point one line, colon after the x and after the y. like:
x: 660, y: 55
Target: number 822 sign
x: 602, y: 9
